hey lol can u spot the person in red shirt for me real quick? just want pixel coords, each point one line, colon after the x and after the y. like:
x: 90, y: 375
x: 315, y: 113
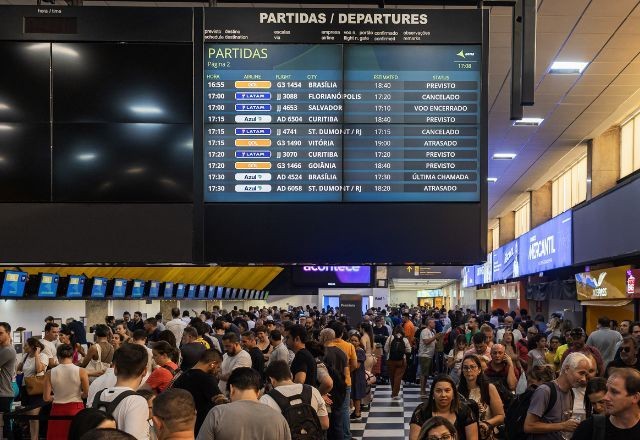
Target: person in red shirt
x: 164, y: 355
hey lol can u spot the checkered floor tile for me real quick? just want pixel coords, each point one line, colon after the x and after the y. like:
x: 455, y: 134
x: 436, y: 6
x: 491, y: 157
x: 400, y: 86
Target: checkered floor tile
x: 387, y: 419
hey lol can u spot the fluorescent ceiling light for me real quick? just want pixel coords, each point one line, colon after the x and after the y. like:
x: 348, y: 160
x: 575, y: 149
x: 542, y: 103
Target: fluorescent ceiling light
x: 86, y: 156
x: 149, y: 110
x: 6, y: 127
x: 567, y: 67
x: 530, y: 122
x: 504, y: 156
x: 492, y: 179
x: 4, y: 106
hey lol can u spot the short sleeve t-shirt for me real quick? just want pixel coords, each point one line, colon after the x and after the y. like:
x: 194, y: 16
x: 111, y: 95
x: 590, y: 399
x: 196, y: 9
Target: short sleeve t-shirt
x: 305, y: 362
x: 426, y: 350
x: 585, y: 431
x: 317, y: 403
x: 203, y: 387
x: 538, y: 407
x: 464, y: 418
x: 161, y: 377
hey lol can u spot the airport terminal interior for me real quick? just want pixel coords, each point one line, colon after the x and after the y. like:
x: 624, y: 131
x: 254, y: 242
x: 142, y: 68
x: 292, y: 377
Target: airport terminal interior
x: 413, y: 210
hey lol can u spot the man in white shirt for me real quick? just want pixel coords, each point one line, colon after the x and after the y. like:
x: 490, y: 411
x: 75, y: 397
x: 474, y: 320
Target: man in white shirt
x: 107, y: 380
x: 280, y: 377
x: 280, y: 351
x: 234, y: 357
x: 508, y: 324
x: 426, y: 351
x: 131, y: 412
x: 176, y: 325
x: 51, y: 334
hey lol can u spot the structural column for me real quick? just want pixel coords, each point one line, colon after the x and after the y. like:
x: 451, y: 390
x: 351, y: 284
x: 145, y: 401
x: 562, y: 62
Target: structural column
x: 96, y: 311
x: 507, y: 228
x: 541, y: 205
x: 165, y: 308
x: 605, y: 161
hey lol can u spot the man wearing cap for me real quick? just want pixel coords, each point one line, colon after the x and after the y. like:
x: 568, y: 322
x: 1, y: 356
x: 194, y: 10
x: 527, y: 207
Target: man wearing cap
x: 578, y: 345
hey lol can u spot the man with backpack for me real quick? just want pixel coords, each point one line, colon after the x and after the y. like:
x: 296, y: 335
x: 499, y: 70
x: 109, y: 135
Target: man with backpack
x: 301, y: 405
x: 129, y: 409
x: 551, y: 402
x: 245, y: 417
x: 621, y: 420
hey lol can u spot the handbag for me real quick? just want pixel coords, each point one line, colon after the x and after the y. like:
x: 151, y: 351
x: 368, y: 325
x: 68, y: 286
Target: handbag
x: 34, y: 385
x: 96, y: 365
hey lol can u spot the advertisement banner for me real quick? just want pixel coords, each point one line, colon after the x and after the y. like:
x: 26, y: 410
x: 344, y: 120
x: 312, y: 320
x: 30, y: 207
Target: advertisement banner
x: 633, y: 283
x: 351, y: 307
x: 610, y: 283
x: 497, y: 264
x: 468, y: 276
x: 380, y: 298
x: 546, y: 247
x: 510, y: 264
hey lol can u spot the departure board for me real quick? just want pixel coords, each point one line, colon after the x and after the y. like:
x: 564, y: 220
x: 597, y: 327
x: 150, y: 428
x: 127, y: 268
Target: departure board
x: 337, y: 120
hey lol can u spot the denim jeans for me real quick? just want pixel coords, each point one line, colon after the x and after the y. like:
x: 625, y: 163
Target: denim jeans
x: 346, y: 422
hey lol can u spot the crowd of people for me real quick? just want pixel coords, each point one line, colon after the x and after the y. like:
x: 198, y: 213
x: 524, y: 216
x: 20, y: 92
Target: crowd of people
x: 307, y: 373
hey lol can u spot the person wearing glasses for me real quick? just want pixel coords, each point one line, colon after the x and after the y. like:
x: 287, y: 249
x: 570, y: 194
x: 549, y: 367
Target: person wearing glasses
x: 437, y: 428
x: 628, y: 356
x: 475, y: 386
x: 445, y: 401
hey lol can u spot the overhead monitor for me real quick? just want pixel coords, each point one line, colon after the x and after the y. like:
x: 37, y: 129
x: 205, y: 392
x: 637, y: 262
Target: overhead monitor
x: 48, y: 287
x: 153, y: 288
x: 13, y: 283
x: 341, y: 127
x: 332, y: 276
x: 168, y: 290
x: 180, y: 290
x: 191, y: 291
x: 119, y: 288
x: 75, y: 288
x: 98, y: 287
x: 137, y: 289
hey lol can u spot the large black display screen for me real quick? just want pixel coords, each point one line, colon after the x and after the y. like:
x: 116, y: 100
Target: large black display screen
x: 332, y: 123
x: 122, y: 128
x: 344, y: 136
x: 25, y: 148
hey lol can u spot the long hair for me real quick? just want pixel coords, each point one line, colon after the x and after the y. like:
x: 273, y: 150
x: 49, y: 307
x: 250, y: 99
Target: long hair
x: 512, y: 344
x: 481, y: 381
x: 366, y: 328
x: 455, y: 403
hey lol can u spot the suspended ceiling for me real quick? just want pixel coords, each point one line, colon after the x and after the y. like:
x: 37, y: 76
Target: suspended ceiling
x: 254, y: 277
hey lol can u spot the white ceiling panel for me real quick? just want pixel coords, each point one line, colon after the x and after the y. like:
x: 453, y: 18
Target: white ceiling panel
x: 563, y: 7
x: 610, y: 8
x: 555, y: 23
x: 601, y: 25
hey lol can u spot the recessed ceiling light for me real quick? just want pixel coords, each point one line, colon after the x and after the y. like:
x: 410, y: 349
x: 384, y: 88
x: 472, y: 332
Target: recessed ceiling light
x: 568, y: 67
x: 528, y: 122
x: 504, y: 156
x: 492, y: 179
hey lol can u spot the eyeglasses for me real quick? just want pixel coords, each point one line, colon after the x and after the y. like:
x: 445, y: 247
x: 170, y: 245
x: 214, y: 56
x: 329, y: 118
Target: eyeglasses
x: 442, y: 437
x: 469, y: 367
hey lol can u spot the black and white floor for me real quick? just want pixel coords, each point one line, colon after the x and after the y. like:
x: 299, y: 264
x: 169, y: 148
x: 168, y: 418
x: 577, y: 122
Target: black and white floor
x: 387, y: 418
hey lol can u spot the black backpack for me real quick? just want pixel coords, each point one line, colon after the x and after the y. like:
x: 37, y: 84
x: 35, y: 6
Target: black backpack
x: 517, y: 412
x: 339, y: 390
x: 506, y: 395
x: 110, y: 407
x: 396, y: 349
x: 302, y: 419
